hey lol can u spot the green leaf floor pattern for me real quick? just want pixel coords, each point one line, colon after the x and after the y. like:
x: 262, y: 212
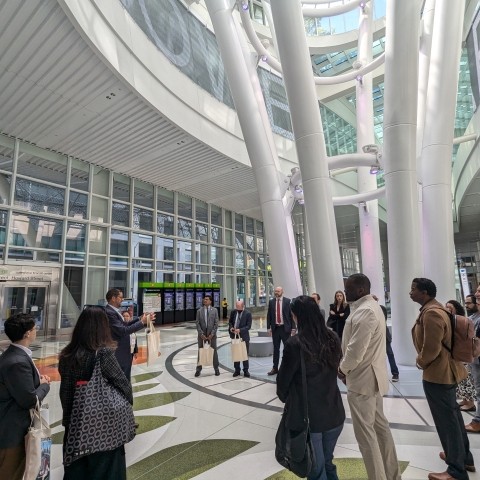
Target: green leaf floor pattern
x: 347, y: 469
x: 187, y: 460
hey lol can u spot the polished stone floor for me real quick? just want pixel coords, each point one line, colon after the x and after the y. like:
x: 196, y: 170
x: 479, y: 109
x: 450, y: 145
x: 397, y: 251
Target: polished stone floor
x: 222, y: 427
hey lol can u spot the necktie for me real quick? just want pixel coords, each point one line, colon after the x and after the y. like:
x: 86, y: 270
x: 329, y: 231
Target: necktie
x: 279, y: 315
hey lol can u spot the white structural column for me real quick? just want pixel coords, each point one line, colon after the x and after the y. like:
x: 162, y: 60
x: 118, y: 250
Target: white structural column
x: 437, y: 147
x: 404, y: 242
x: 283, y: 257
x: 310, y: 144
x: 368, y: 215
x: 308, y: 256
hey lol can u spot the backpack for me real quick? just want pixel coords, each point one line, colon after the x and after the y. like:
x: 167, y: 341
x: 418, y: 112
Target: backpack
x: 465, y: 344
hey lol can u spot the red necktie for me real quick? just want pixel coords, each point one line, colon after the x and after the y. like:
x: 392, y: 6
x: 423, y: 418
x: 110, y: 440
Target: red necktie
x: 279, y: 315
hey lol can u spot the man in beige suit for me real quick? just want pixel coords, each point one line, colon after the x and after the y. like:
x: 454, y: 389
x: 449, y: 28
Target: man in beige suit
x: 364, y: 368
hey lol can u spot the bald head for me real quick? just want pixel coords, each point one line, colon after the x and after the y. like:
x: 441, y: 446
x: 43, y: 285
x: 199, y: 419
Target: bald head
x: 239, y: 305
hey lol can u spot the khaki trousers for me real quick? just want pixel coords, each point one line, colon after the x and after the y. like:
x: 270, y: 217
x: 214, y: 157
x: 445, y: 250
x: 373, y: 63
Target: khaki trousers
x: 373, y: 436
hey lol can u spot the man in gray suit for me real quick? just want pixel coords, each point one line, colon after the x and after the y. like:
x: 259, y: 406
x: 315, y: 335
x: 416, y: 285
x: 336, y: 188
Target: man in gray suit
x: 364, y: 369
x: 317, y: 298
x: 207, y: 324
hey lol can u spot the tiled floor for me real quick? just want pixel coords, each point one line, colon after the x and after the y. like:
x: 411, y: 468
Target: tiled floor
x: 186, y: 412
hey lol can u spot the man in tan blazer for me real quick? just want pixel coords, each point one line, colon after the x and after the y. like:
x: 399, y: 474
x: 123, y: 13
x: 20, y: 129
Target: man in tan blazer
x: 432, y: 338
x: 364, y: 368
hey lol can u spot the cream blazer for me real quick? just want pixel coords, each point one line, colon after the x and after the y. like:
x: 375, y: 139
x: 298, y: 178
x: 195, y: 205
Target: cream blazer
x: 364, y: 348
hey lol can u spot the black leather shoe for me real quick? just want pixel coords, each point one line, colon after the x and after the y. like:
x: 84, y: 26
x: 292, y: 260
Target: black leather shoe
x: 246, y: 374
x: 217, y: 372
x: 468, y: 468
x: 197, y: 373
x: 236, y: 374
x: 273, y: 371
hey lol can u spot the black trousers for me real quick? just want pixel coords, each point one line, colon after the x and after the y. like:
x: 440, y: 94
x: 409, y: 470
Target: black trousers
x: 278, y: 335
x: 450, y: 427
x: 236, y: 365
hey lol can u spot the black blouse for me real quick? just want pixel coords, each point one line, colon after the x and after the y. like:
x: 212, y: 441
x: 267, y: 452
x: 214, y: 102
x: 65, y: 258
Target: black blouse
x: 325, y: 406
x: 70, y: 375
x: 335, y: 321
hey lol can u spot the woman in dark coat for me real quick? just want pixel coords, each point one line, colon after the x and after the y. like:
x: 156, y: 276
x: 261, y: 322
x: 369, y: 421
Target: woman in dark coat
x: 91, y: 338
x: 322, y: 353
x: 338, y: 314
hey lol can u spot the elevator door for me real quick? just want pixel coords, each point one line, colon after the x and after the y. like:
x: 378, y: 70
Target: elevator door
x: 25, y: 298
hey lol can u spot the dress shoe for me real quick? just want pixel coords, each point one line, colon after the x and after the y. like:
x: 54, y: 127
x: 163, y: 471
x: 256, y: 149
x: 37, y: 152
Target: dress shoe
x: 197, y: 373
x: 395, y: 377
x: 273, y: 371
x: 468, y: 406
x: 246, y: 374
x: 440, y: 476
x: 473, y: 427
x: 468, y: 468
x: 217, y: 372
x: 236, y: 374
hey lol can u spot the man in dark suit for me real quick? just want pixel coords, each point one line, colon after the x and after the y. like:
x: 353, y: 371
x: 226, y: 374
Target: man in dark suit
x: 239, y: 324
x: 207, y: 324
x: 122, y: 329
x: 280, y: 324
x: 20, y: 385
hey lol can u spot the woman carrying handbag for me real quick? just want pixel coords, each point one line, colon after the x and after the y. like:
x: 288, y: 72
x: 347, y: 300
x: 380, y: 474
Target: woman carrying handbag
x: 96, y: 400
x: 321, y: 350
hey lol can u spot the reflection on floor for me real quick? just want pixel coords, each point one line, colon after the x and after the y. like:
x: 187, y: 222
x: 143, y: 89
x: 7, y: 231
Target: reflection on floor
x: 223, y: 427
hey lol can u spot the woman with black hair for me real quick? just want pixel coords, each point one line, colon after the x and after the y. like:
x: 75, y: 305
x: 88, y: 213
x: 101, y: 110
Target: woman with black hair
x: 91, y: 342
x: 465, y: 389
x: 322, y: 353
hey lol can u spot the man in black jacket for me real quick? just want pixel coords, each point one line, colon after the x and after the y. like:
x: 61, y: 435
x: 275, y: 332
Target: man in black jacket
x: 239, y: 324
x: 20, y: 385
x: 121, y: 329
x: 280, y: 324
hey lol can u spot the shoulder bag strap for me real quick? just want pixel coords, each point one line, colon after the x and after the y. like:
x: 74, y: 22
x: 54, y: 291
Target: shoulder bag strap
x: 304, y: 384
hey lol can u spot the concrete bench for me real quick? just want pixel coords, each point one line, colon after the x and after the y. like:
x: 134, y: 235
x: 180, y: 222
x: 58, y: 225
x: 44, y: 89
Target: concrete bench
x: 260, y: 347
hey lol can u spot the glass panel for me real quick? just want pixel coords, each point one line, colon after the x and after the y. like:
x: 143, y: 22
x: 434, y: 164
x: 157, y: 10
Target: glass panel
x: 217, y: 254
x: 228, y: 219
x: 252, y: 291
x: 119, y: 243
x: 33, y: 255
x: 42, y: 164
x: 5, y: 182
x: 165, y: 200
x: 165, y: 249
x: 142, y: 219
x: 260, y: 244
x: 262, y: 297
x: 241, y: 288
x: 184, y: 228
x: 184, y: 251
x: 239, y: 240
x: 259, y: 229
x: 228, y: 237
x: 143, y: 193
x: 76, y: 233
x: 3, y: 226
x: 239, y: 222
x: 38, y: 197
x: 201, y: 253
x: 97, y: 239
x: 121, y: 187
x: 239, y: 261
x: 77, y: 205
x: 36, y: 232
x: 118, y: 279
x: 35, y: 305
x: 118, y: 262
x: 97, y: 260
x: 95, y: 286
x: 201, y: 211
x: 72, y: 296
x: 120, y: 214
x: 216, y: 234
x: 101, y: 178
x: 12, y: 302
x: 201, y: 231
x: 99, y: 209
x: 249, y: 225
x: 142, y: 245
x: 79, y: 175
x: 229, y: 257
x: 74, y: 258
x: 165, y: 224
x: 6, y: 152
x: 216, y: 215
x: 250, y: 242
x: 251, y: 262
x: 261, y: 262
x: 184, y: 205
x: 186, y: 267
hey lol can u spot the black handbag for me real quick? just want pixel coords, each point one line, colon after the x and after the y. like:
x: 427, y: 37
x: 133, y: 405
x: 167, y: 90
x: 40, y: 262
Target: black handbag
x: 293, y: 448
x: 101, y: 420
